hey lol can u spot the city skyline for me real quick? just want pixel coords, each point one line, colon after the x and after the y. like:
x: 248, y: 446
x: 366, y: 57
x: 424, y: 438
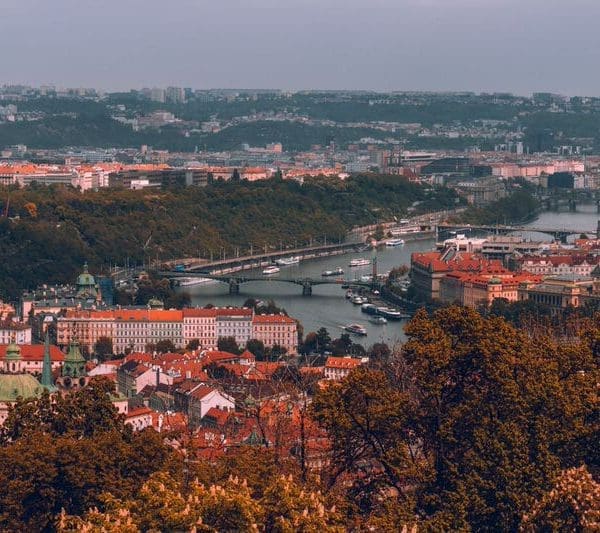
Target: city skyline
x: 496, y: 45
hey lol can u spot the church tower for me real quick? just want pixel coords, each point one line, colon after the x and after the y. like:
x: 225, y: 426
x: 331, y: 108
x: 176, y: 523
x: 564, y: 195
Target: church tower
x: 73, y: 375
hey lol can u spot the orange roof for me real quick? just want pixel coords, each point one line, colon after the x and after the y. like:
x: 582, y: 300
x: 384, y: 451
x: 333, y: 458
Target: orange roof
x: 342, y: 362
x: 35, y: 352
x: 273, y: 319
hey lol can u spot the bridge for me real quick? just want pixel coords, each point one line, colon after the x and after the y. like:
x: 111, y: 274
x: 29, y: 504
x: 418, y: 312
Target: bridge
x: 256, y: 260
x: 557, y: 233
x: 235, y: 281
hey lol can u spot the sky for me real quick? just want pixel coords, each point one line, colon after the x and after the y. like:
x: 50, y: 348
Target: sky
x: 521, y: 46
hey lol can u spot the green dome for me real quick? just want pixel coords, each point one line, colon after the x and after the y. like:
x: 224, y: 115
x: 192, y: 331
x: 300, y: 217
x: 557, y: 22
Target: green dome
x: 13, y: 386
x: 13, y: 352
x: 86, y: 279
x: 155, y: 303
x: 495, y: 281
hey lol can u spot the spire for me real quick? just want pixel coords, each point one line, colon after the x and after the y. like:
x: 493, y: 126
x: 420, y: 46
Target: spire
x: 46, y: 380
x: 85, y: 268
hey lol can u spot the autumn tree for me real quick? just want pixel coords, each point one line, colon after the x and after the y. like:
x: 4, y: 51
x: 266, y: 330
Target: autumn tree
x: 228, y: 344
x: 573, y: 504
x: 103, y: 348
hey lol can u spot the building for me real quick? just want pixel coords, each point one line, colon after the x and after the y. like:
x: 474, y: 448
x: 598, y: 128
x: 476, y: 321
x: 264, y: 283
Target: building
x: 559, y: 292
x: 481, y: 192
x: 429, y: 268
x: 276, y: 330
x: 236, y: 323
x: 31, y: 358
x: 558, y: 265
x: 339, y: 367
x: 18, y: 332
x: 480, y: 290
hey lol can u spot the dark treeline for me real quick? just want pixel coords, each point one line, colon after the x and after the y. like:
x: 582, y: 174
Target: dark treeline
x: 59, y: 228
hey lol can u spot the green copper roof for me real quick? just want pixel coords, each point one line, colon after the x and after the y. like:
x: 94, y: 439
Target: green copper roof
x: 13, y: 352
x: 86, y: 279
x: 13, y: 386
x: 74, y: 365
x: 46, y: 380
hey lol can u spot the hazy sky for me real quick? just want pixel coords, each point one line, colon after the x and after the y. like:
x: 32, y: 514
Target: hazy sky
x: 483, y: 45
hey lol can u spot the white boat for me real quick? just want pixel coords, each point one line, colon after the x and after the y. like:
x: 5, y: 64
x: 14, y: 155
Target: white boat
x: 337, y: 272
x: 366, y: 279
x: 359, y: 300
x: 270, y: 270
x: 287, y: 261
x: 394, y: 242
x: 379, y: 320
x: 359, y: 262
x: 357, y: 329
x: 188, y: 282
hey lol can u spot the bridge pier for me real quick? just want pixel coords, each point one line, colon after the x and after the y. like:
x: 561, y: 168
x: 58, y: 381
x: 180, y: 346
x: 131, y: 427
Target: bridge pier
x: 306, y: 289
x: 234, y: 286
x: 572, y: 205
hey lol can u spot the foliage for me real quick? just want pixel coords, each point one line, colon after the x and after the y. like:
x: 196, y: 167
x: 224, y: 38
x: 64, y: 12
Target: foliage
x: 64, y: 454
x: 103, y: 348
x: 228, y: 344
x: 163, y: 504
x: 518, y: 207
x: 468, y: 425
x: 573, y: 504
x: 113, y: 226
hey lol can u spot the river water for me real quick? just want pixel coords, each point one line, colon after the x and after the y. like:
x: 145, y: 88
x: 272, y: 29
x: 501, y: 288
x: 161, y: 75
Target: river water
x: 328, y: 306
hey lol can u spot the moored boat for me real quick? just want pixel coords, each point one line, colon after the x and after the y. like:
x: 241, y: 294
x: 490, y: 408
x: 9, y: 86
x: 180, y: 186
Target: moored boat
x: 379, y: 320
x: 287, y: 261
x: 370, y: 309
x: 394, y: 242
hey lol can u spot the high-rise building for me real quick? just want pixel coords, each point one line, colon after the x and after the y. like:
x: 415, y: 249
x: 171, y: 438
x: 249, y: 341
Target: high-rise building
x: 175, y: 95
x: 157, y: 95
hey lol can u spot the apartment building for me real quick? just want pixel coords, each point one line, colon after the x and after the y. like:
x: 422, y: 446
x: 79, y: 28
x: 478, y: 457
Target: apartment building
x: 276, y: 329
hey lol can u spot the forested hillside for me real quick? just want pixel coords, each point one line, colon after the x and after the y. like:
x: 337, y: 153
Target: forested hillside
x: 57, y: 228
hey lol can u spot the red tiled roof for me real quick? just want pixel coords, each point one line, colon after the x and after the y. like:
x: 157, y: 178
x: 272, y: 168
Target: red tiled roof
x: 342, y: 362
x: 35, y: 352
x: 273, y: 319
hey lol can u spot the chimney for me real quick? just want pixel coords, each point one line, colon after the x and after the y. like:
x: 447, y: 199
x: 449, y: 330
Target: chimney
x: 157, y: 377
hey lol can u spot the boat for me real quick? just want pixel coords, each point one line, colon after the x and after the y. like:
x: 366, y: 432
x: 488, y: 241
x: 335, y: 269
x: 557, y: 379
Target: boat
x: 370, y: 309
x: 359, y: 262
x: 366, y: 279
x: 337, y: 272
x: 391, y: 314
x: 379, y: 320
x: 357, y: 329
x: 394, y: 242
x: 349, y: 294
x: 188, y: 282
x: 287, y: 261
x: 270, y: 270
x: 359, y: 300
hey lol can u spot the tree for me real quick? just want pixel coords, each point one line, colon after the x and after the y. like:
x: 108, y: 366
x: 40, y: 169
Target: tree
x: 323, y: 340
x: 256, y: 348
x: 276, y: 352
x: 573, y: 504
x: 228, y: 344
x: 342, y: 345
x: 193, y: 345
x: 379, y: 352
x: 165, y: 346
x: 235, y: 176
x: 103, y: 348
x: 467, y: 425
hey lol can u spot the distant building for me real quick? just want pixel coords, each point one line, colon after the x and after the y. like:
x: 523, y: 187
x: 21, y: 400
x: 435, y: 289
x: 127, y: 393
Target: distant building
x: 337, y: 368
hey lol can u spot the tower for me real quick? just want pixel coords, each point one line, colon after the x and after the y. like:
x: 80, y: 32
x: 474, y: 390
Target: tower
x: 47, y: 381
x: 73, y: 375
x: 12, y: 361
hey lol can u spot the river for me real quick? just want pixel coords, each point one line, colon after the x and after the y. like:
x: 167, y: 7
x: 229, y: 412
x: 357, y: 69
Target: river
x: 328, y: 306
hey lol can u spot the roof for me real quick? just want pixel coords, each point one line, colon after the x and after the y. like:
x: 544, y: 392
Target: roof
x: 342, y: 362
x: 273, y: 319
x: 35, y: 352
x: 13, y: 386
